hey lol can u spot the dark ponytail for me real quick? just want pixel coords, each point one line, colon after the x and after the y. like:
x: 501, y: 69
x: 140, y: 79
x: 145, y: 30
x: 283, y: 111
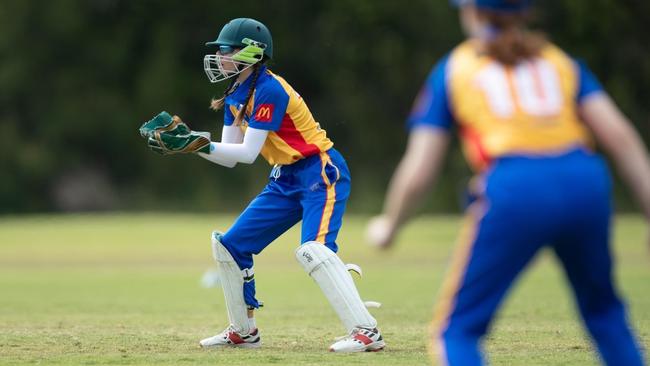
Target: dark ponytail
x: 217, y: 104
x: 512, y: 42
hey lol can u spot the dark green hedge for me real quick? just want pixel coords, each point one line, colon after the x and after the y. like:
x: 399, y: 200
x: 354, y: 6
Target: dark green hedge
x: 77, y: 77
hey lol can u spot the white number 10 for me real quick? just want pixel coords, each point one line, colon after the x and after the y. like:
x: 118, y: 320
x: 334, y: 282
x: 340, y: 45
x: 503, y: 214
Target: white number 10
x: 533, y: 86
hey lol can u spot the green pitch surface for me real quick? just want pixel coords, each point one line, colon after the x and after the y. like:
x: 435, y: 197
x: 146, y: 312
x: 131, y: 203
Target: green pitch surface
x: 124, y: 290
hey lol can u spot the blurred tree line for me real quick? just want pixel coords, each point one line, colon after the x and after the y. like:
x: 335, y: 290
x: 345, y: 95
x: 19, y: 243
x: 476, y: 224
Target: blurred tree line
x: 78, y: 77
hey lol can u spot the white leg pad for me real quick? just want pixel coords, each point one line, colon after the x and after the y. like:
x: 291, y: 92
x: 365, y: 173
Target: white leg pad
x: 232, y: 283
x: 331, y: 275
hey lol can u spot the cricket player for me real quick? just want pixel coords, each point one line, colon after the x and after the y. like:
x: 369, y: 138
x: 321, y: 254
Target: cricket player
x: 310, y: 181
x: 528, y: 115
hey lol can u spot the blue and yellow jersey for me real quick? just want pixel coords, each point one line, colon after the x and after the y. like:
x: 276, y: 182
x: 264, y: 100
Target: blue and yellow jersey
x: 276, y: 107
x: 529, y: 109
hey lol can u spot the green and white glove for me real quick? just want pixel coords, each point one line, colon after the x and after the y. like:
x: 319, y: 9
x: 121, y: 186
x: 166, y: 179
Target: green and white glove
x: 170, y: 135
x: 166, y: 142
x: 164, y: 122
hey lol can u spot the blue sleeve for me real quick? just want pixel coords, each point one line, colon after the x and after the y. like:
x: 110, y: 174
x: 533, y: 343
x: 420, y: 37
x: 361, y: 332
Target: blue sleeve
x: 270, y: 106
x: 228, y: 117
x: 587, y: 82
x: 431, y: 107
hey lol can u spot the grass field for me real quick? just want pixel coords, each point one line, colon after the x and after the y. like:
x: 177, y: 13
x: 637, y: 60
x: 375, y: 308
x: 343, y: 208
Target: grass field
x: 124, y: 290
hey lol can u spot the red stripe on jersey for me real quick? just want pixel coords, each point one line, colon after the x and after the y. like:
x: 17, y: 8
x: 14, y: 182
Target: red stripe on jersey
x: 479, y: 157
x: 290, y: 134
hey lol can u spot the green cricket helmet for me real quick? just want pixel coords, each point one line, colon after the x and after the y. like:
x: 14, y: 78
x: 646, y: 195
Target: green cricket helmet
x: 242, y: 43
x: 235, y: 31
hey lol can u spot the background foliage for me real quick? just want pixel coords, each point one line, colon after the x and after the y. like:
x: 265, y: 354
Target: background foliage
x: 78, y: 77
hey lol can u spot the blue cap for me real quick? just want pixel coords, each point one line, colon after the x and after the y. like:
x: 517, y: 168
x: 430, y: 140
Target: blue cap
x: 505, y: 6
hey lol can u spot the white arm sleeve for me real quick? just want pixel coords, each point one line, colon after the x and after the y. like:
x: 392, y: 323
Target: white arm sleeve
x: 232, y: 135
x: 229, y: 154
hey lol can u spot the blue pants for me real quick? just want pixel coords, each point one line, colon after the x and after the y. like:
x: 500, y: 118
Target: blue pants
x: 314, y: 190
x: 528, y: 203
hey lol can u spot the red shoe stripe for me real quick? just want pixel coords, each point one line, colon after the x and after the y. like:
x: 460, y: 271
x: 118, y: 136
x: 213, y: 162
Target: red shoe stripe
x: 363, y: 339
x: 235, y: 338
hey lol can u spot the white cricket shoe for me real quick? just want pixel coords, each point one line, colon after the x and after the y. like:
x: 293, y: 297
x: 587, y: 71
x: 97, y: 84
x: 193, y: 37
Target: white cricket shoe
x: 231, y: 338
x: 360, y: 340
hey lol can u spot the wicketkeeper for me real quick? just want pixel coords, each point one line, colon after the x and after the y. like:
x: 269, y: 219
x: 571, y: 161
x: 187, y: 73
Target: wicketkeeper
x: 309, y: 181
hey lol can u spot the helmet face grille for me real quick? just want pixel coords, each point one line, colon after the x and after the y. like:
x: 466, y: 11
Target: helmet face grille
x: 216, y: 71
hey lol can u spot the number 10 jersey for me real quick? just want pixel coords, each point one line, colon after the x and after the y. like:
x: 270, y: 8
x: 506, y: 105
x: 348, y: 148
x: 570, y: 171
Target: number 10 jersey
x: 527, y: 109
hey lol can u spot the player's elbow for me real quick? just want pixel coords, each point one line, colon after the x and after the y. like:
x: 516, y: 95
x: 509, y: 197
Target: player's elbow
x: 420, y: 183
x: 421, y: 173
x: 248, y: 158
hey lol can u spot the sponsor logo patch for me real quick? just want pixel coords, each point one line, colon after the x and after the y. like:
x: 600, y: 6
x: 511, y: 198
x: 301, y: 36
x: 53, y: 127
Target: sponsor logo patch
x: 264, y: 113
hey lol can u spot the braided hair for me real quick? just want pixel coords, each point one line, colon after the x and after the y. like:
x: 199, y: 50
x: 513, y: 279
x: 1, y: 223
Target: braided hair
x: 251, y: 89
x: 217, y: 104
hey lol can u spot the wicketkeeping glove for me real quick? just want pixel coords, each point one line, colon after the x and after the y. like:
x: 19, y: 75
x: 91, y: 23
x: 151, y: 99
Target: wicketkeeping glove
x: 170, y: 135
x: 166, y: 142
x: 164, y: 122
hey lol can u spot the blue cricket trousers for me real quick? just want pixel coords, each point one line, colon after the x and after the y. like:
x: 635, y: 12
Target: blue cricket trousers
x: 314, y: 190
x: 563, y: 202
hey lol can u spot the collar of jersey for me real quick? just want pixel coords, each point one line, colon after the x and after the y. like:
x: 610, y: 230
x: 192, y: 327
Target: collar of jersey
x: 239, y: 95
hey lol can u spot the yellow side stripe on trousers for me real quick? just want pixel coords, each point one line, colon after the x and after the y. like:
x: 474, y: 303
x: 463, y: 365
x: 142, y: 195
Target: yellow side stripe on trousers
x: 453, y: 279
x: 330, y: 199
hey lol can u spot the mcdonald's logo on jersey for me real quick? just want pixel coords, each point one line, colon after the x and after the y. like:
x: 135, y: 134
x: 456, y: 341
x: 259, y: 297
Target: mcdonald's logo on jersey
x: 264, y: 113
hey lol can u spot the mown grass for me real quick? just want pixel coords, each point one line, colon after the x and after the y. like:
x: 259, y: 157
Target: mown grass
x: 124, y: 290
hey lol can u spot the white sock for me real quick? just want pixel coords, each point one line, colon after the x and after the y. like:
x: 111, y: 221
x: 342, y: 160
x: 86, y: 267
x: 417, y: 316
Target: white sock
x: 251, y: 323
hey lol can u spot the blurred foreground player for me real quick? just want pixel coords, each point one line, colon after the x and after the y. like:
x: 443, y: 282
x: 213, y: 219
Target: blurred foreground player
x: 526, y: 113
